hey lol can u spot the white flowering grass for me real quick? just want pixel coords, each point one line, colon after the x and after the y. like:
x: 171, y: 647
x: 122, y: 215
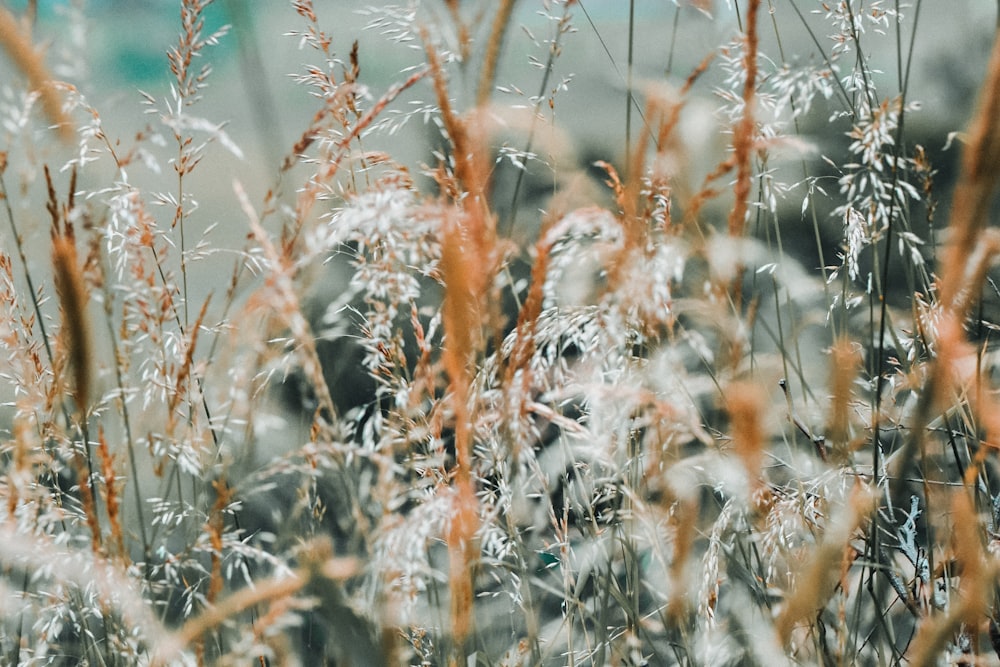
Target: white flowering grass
x: 449, y: 413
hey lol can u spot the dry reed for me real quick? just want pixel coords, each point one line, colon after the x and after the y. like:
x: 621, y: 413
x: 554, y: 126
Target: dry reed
x: 20, y: 50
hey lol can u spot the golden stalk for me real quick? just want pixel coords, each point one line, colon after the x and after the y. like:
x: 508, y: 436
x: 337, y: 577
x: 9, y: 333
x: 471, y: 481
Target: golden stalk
x: 72, y: 293
x: 21, y: 51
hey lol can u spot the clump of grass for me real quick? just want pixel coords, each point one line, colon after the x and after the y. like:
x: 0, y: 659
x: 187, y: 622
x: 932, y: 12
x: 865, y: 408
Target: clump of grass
x: 646, y: 428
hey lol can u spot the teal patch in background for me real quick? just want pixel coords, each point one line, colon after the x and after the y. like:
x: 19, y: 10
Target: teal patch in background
x: 136, y: 34
x: 133, y: 64
x: 548, y: 560
x: 47, y: 9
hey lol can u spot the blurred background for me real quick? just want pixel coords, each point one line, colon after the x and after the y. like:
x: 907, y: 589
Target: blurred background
x: 110, y: 49
x: 113, y: 49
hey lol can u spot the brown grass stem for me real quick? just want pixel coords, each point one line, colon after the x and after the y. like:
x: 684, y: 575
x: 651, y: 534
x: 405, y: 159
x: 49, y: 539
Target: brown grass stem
x: 745, y: 130
x: 22, y: 52
x: 73, y: 300
x: 272, y: 590
x: 494, y: 45
x: 980, y: 171
x: 463, y: 321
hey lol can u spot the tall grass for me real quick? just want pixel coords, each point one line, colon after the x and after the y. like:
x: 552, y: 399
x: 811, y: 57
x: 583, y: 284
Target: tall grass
x: 726, y: 402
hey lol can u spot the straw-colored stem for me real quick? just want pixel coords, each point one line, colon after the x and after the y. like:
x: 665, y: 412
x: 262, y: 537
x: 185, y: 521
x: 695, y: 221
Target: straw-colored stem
x: 978, y: 180
x: 490, y: 62
x: 20, y: 50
